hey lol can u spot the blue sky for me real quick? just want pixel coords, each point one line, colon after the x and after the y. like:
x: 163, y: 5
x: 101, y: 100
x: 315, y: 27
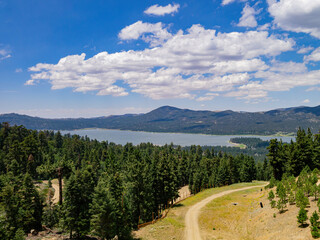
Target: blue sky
x: 86, y: 58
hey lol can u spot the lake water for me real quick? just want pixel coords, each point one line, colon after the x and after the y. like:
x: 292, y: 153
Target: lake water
x: 182, y: 139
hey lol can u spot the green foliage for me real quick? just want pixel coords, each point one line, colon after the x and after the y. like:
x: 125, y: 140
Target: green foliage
x: 135, y: 182
x: 19, y: 235
x: 297, y: 157
x: 272, y: 182
x: 291, y: 198
x: 271, y: 196
x: 282, y: 201
x: 314, y: 219
x: 78, y: 196
x: 302, y: 216
x: 301, y: 200
x: 21, y: 204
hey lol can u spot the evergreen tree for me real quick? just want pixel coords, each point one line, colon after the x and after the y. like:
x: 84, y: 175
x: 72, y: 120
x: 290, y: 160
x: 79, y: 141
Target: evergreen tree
x: 302, y: 216
x: 78, y: 196
x: 275, y: 160
x: 102, y: 220
x: 281, y: 204
x: 301, y: 200
x: 31, y: 204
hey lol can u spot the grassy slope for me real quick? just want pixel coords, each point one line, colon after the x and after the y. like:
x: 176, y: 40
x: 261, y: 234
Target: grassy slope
x: 248, y: 220
x: 172, y: 227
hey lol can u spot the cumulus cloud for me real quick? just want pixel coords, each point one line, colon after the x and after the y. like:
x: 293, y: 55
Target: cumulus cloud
x: 155, y: 34
x: 162, y: 10
x: 306, y: 101
x: 189, y: 62
x: 276, y: 81
x: 314, y: 56
x: 248, y: 17
x: 296, y: 15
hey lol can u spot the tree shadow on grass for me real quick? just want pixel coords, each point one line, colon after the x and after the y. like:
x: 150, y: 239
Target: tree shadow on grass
x: 177, y: 205
x: 303, y: 225
x: 283, y: 211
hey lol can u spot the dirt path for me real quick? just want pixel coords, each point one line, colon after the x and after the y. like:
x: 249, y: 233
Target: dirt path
x: 55, y: 186
x: 192, y: 231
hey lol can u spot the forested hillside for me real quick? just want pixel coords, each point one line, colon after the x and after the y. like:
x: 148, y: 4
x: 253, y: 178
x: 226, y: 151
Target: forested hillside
x: 171, y: 119
x: 295, y: 168
x: 291, y: 158
x: 109, y: 189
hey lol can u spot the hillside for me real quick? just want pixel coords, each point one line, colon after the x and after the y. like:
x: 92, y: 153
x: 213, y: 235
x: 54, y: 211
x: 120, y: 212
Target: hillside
x: 171, y: 119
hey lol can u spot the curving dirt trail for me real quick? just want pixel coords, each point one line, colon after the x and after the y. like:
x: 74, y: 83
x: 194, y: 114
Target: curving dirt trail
x: 192, y: 231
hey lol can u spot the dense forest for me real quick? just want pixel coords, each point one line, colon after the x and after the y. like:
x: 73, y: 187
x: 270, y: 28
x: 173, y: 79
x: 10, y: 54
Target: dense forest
x: 290, y: 158
x: 108, y: 189
x: 254, y: 147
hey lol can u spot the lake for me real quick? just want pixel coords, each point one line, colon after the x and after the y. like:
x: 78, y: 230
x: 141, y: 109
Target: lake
x: 183, y: 139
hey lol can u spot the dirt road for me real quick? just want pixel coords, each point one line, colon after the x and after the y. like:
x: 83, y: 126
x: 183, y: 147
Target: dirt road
x: 55, y: 186
x: 192, y: 231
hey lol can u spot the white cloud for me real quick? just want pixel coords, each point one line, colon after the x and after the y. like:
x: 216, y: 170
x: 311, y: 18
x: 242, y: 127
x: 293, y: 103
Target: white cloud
x: 207, y: 97
x: 4, y: 54
x: 288, y: 67
x: 248, y: 17
x: 187, y: 63
x: 157, y: 32
x: 18, y: 70
x: 296, y: 15
x: 306, y: 101
x: 313, y: 89
x: 226, y: 2
x: 264, y: 27
x: 314, y: 56
x: 5, y: 57
x: 162, y: 10
x: 305, y: 50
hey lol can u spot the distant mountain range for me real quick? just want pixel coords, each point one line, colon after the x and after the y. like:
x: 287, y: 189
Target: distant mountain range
x: 171, y: 119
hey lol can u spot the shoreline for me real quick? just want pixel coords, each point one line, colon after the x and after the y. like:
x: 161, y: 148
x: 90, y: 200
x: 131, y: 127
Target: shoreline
x: 239, y: 145
x: 205, y: 134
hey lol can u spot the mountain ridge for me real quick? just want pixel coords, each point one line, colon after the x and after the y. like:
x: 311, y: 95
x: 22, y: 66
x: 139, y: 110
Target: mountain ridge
x: 172, y: 119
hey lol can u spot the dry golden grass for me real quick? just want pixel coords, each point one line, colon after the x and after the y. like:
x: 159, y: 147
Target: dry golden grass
x: 249, y: 221
x: 172, y: 227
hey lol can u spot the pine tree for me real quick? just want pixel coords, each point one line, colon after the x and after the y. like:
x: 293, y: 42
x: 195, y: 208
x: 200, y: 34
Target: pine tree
x: 281, y: 204
x: 301, y: 200
x: 315, y: 225
x: 302, y: 216
x: 31, y: 204
x: 314, y: 219
x: 120, y: 207
x: 78, y: 196
x: 102, y: 220
x: 275, y: 159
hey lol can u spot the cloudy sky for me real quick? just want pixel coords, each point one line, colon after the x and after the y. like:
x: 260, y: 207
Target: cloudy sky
x: 85, y: 58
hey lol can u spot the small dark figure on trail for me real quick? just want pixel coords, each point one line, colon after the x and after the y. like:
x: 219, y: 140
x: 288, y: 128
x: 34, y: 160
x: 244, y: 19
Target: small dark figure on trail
x: 261, y: 204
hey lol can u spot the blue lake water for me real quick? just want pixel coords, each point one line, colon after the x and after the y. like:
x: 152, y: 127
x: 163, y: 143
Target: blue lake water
x: 182, y: 139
